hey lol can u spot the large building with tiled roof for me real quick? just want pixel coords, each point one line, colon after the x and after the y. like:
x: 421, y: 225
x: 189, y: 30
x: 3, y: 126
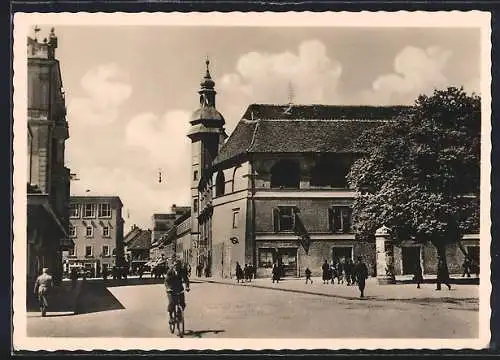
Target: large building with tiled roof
x: 276, y: 190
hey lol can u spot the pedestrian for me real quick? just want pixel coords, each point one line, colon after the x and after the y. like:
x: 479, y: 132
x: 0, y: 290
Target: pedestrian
x: 361, y: 271
x: 443, y: 277
x: 276, y: 273
x: 308, y: 275
x: 74, y: 277
x: 340, y: 272
x: 43, y: 286
x: 418, y: 276
x: 325, y: 269
x: 245, y: 272
x: 348, y: 271
x: 104, y: 273
x: 466, y: 266
x: 239, y: 272
x: 250, y: 272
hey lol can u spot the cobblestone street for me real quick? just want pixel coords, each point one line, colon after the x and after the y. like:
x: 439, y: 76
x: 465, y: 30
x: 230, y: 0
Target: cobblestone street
x: 233, y: 311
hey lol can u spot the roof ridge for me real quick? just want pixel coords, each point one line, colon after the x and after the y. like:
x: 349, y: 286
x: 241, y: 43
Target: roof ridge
x: 253, y: 135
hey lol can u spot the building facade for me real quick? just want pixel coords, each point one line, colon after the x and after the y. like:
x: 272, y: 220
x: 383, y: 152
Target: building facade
x: 96, y: 227
x: 137, y: 244
x: 48, y: 188
x: 163, y: 236
x: 276, y: 190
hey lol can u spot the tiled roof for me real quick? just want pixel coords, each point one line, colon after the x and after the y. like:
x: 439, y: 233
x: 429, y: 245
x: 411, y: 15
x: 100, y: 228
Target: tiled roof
x: 141, y: 241
x: 302, y: 128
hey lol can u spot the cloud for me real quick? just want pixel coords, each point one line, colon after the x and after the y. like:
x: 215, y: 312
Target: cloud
x: 265, y: 78
x: 166, y: 144
x: 107, y: 87
x: 416, y: 71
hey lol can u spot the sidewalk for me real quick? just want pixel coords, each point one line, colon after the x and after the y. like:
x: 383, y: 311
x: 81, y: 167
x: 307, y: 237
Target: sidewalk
x: 62, y: 301
x: 373, y: 290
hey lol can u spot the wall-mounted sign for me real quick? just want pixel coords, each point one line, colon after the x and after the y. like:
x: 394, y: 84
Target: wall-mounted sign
x: 234, y: 240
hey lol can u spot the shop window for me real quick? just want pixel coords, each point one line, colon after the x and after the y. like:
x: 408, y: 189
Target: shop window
x: 284, y: 218
x: 220, y: 184
x: 266, y: 258
x: 339, y: 219
x: 285, y: 174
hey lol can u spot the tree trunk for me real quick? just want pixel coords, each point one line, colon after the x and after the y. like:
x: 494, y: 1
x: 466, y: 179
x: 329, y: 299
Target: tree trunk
x: 441, y: 254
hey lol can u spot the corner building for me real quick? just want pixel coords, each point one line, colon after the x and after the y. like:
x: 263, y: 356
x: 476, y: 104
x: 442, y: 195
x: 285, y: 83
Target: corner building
x: 276, y: 191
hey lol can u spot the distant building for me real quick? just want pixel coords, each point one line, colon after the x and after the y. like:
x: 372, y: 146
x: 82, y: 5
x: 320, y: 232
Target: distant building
x: 137, y: 244
x: 97, y: 231
x: 48, y: 188
x: 164, y: 232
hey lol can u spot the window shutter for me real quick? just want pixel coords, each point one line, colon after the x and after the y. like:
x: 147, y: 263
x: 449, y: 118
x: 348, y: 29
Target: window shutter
x: 276, y: 219
x: 330, y: 219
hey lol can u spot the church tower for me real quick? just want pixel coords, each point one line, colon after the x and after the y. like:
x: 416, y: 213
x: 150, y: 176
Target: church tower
x: 207, y: 134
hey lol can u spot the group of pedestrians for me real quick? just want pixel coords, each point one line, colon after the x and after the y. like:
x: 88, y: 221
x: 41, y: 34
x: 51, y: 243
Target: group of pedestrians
x: 345, y: 271
x: 247, y: 273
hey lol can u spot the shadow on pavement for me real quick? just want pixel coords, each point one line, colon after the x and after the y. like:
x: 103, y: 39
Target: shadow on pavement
x: 199, y: 333
x: 95, y: 297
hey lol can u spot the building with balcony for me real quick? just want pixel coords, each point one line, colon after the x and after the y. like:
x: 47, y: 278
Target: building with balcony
x: 48, y: 188
x: 96, y: 228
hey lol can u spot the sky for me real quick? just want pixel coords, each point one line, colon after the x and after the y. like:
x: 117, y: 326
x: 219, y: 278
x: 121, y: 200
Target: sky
x: 130, y: 91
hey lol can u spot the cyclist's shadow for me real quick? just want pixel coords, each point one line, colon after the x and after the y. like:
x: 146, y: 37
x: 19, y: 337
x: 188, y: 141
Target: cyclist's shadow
x: 200, y: 333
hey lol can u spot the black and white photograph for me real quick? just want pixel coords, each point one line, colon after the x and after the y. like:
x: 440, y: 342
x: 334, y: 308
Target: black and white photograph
x: 252, y: 181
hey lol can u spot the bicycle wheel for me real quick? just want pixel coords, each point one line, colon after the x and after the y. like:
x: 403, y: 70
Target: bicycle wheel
x: 171, y: 324
x: 180, y: 322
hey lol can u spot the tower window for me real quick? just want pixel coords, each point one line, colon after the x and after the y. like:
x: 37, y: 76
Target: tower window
x: 195, y: 175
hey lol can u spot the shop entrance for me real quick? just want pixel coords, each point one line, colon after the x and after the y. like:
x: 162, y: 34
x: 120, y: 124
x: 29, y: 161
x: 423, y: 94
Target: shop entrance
x: 339, y: 252
x: 287, y: 259
x: 411, y: 257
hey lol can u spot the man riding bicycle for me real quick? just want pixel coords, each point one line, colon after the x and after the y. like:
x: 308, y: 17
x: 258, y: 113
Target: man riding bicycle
x: 174, y: 280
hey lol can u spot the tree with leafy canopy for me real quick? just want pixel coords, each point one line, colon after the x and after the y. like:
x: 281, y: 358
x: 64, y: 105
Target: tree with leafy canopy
x: 420, y: 173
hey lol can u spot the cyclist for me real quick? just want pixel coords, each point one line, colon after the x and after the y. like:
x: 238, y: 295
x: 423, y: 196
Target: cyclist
x: 174, y: 280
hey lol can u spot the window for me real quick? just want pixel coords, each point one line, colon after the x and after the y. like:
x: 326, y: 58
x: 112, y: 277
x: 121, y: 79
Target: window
x: 74, y: 211
x: 266, y: 258
x: 220, y: 184
x: 72, y: 230
x: 195, y: 175
x: 339, y: 219
x: 89, y: 231
x: 195, y: 205
x: 105, y: 250
x: 105, y: 231
x: 285, y: 174
x: 236, y: 219
x: 330, y: 172
x: 284, y: 218
x: 89, y: 210
x: 88, y: 250
x: 104, y: 211
x: 71, y: 251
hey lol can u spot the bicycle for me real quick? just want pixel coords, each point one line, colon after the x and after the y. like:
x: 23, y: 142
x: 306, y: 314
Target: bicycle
x: 178, y: 316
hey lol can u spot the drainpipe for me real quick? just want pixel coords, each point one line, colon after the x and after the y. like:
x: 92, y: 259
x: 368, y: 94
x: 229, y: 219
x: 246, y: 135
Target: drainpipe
x: 252, y: 200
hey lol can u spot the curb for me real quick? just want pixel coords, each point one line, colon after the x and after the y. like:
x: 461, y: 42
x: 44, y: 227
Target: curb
x: 335, y: 295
